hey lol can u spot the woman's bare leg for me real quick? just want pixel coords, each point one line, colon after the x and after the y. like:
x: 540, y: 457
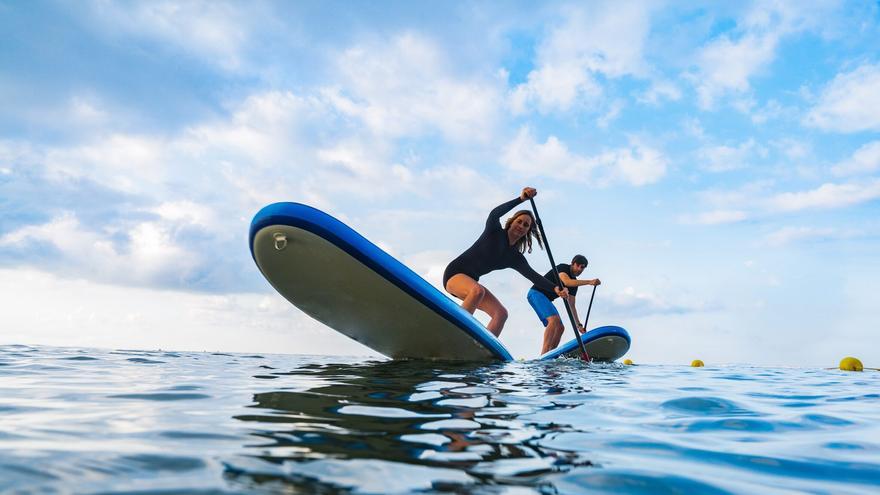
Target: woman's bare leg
x: 467, y: 289
x: 493, y: 307
x: 474, y: 296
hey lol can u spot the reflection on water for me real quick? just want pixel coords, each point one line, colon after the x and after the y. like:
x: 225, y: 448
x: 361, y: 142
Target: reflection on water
x: 91, y: 421
x: 464, y: 422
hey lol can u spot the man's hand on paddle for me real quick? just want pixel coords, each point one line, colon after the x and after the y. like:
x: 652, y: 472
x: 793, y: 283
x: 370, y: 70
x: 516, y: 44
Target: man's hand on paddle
x: 563, y: 293
x: 528, y: 192
x: 595, y: 281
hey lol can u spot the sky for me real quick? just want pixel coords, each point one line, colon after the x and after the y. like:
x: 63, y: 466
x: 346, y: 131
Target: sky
x: 717, y: 162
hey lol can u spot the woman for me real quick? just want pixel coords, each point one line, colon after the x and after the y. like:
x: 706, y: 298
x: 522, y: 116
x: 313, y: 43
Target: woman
x: 495, y: 249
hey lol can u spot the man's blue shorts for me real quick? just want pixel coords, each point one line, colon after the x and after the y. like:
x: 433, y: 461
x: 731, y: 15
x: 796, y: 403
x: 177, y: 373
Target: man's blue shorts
x: 541, y: 305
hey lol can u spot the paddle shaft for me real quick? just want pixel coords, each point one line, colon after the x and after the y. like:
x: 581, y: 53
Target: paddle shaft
x: 574, y: 324
x: 589, y: 308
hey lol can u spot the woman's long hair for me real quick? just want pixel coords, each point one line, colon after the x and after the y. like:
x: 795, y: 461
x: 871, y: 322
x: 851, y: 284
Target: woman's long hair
x: 525, y: 242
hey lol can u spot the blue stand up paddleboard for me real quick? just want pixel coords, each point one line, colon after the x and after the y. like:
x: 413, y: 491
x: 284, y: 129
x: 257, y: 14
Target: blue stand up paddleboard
x: 604, y: 344
x: 341, y: 279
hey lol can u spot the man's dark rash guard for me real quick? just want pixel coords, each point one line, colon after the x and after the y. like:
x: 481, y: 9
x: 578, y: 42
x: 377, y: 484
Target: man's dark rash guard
x: 561, y: 268
x: 492, y: 251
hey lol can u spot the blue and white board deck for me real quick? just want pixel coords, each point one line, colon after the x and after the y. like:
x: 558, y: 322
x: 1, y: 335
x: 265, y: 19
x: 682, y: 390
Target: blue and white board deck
x: 341, y: 279
x: 607, y: 343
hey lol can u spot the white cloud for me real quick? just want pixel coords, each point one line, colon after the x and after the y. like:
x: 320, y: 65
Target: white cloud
x: 607, y: 39
x: 827, y: 196
x: 771, y: 110
x: 264, y: 130
x: 129, y: 163
x: 407, y: 87
x: 737, y: 198
x: 147, y: 255
x: 729, y: 206
x: 363, y: 168
x: 866, y: 159
x: 550, y: 158
x: 554, y: 87
x: 638, y: 165
x: 359, y: 167
x: 725, y: 158
x: 86, y: 111
x: 634, y: 303
x: 215, y: 31
x: 471, y: 186
x: 715, y: 217
x: 186, y: 212
x: 757, y: 199
x: 265, y: 151
x: 659, y: 91
x: 430, y: 265
x: 612, y: 113
x: 16, y: 154
x: 694, y: 127
x: 726, y: 64
x: 197, y: 188
x: 849, y: 103
x: 793, y: 148
x: 788, y: 235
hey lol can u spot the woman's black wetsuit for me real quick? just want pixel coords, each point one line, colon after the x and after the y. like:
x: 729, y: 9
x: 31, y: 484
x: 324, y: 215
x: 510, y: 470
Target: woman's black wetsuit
x: 493, y: 251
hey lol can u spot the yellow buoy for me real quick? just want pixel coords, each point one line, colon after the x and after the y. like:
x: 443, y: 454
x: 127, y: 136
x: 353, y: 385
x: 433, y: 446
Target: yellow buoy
x: 627, y: 362
x: 696, y: 363
x: 851, y: 364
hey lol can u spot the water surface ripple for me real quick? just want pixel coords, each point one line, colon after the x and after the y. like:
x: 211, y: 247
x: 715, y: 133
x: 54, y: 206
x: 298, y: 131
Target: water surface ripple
x: 127, y: 421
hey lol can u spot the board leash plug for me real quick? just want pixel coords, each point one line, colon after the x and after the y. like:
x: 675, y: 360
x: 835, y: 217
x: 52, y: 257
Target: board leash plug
x: 280, y: 241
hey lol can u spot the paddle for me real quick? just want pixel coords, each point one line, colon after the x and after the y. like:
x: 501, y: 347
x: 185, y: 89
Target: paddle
x: 590, y: 307
x: 574, y: 325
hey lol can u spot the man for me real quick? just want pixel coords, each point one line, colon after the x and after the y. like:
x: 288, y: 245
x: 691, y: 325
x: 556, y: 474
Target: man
x: 542, y: 301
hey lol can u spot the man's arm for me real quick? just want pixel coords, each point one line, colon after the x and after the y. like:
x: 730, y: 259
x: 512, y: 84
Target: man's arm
x: 573, y: 282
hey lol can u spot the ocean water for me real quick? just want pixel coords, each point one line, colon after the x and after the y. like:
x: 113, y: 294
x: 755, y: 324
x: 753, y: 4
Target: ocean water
x: 125, y: 421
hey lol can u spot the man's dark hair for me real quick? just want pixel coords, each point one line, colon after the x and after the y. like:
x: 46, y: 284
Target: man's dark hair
x: 580, y: 260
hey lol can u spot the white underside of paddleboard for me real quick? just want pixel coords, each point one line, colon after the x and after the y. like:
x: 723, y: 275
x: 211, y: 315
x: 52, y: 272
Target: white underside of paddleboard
x: 603, y: 349
x: 338, y: 290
